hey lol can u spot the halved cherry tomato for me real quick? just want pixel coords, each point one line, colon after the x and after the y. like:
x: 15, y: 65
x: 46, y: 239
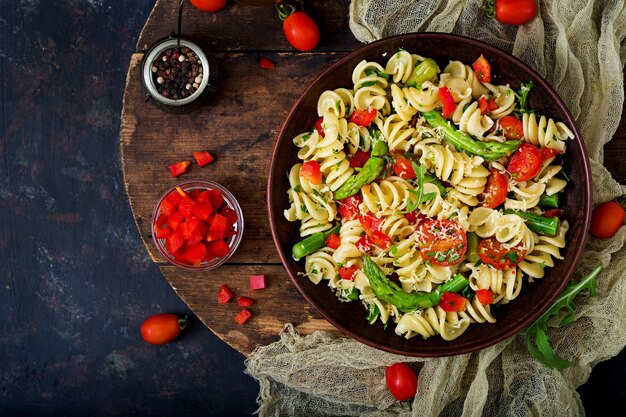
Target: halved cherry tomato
x: 348, y: 273
x: 311, y: 171
x: 162, y: 328
x: 447, y: 101
x: 492, y: 252
x: 512, y: 12
x: 179, y: 168
x: 486, y: 105
x: 349, y: 206
x: 482, y: 68
x: 547, y: 153
x: 359, y: 159
x: 606, y: 219
x: 363, y: 117
x: 224, y: 294
x: 300, y: 29
x: 370, y: 223
x: 442, y: 242
x: 403, y: 167
x: 401, y: 381
x: 452, y: 302
x: 525, y: 162
x: 495, y: 190
x: 512, y: 127
x: 209, y: 5
x: 333, y: 241
x: 484, y: 296
x: 318, y: 126
x: 266, y: 63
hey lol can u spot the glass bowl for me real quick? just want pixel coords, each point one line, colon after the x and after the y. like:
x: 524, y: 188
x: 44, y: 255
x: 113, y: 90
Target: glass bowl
x: 232, y: 241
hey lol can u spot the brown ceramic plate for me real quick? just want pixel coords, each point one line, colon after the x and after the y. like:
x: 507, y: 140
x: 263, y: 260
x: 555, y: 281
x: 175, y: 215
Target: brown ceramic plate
x: 534, y: 298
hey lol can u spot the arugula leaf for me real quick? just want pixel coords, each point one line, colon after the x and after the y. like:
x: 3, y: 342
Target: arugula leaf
x: 522, y: 94
x: 419, y: 193
x: 541, y: 349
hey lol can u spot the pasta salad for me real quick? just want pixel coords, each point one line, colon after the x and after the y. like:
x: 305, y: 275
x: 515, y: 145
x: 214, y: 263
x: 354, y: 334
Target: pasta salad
x: 428, y: 195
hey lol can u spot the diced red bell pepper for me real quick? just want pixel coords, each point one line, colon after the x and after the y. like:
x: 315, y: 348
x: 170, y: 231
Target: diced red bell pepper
x: 482, y: 68
x: 318, y: 126
x: 212, y: 236
x: 258, y: 282
x: 185, y: 206
x: 486, y: 105
x: 203, y: 196
x: 174, y: 242
x: 243, y: 316
x: 224, y: 294
x: 161, y: 220
x: 484, y: 296
x: 219, y: 248
x: 311, y: 170
x: 414, y: 217
x: 452, y: 302
x: 203, y: 158
x: 219, y: 224
x: 215, y: 198
x: 179, y: 168
x: 380, y: 239
x: 175, y: 220
x: 167, y: 208
x: 194, y: 194
x: 349, y: 206
x: 230, y: 214
x: 162, y: 232
x: 194, y: 229
x: 348, y: 273
x: 547, y: 153
x: 208, y: 257
x: 245, y: 302
x: 266, y: 63
x: 174, y: 198
x: 363, y: 117
x: 194, y: 253
x: 370, y: 223
x: 553, y: 213
x: 359, y: 159
x: 202, y: 210
x: 364, y: 244
x: 333, y: 241
x: 447, y: 101
x: 404, y: 167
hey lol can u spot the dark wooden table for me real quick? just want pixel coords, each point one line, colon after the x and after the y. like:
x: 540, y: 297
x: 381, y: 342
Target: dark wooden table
x: 77, y: 280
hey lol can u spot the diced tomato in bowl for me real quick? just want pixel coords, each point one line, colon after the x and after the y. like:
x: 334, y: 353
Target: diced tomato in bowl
x: 197, y: 225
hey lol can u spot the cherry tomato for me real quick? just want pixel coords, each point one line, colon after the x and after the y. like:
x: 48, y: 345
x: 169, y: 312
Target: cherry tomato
x: 318, y: 126
x: 525, y: 162
x: 414, y: 217
x: 401, y: 381
x: 484, y: 296
x: 363, y: 117
x: 359, y: 159
x: 403, y: 167
x: 512, y: 127
x: 495, y: 191
x: 349, y: 207
x: 547, y: 153
x: 209, y: 5
x: 300, y: 30
x: 452, y: 303
x: 162, y: 328
x: 311, y: 171
x: 606, y: 219
x: 513, y: 12
x: 486, y: 105
x: 492, y: 252
x: 447, y: 101
x: 442, y: 242
x: 482, y: 68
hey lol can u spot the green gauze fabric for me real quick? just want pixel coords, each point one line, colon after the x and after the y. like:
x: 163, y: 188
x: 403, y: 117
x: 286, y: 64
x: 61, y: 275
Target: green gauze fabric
x: 578, y: 46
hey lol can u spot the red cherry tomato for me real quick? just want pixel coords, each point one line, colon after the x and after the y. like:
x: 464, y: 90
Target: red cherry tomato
x: 513, y: 12
x: 492, y: 252
x: 311, y: 171
x: 452, y: 303
x: 495, y: 191
x: 348, y: 273
x: 547, y: 153
x: 349, y: 207
x: 363, y: 117
x: 606, y: 219
x: 401, y: 381
x: 482, y: 68
x: 403, y: 167
x: 525, y: 163
x: 442, y: 242
x: 162, y: 328
x: 359, y: 159
x: 300, y: 29
x: 512, y: 127
x: 209, y: 5
x: 484, y: 296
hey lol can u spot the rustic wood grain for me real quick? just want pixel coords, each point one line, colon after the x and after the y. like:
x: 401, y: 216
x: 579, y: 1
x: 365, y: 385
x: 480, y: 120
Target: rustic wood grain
x: 239, y: 126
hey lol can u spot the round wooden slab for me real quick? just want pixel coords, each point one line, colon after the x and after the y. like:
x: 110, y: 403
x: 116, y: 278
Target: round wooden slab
x: 239, y: 127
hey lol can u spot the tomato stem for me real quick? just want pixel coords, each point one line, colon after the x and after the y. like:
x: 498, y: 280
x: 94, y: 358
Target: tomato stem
x: 284, y: 10
x: 621, y: 201
x: 182, y: 323
x: 489, y: 9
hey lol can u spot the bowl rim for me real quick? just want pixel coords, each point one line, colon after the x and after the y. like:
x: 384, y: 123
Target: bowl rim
x: 498, y: 336
x: 231, y: 201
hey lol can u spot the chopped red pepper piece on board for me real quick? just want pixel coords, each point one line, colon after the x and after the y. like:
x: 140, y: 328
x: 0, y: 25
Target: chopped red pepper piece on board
x: 224, y: 294
x: 179, y: 168
x: 203, y: 158
x: 245, y: 302
x: 243, y: 316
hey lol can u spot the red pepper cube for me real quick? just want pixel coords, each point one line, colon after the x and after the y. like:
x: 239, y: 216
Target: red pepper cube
x: 203, y: 158
x: 174, y: 241
x: 167, y: 208
x: 218, y: 225
x: 194, y: 253
x: 179, y: 168
x: 212, y: 236
x: 224, y: 294
x: 193, y: 230
x: 333, y: 241
x: 245, y: 302
x: 230, y: 215
x: 203, y: 196
x: 243, y: 316
x: 175, y: 220
x: 162, y: 232
x: 258, y: 282
x: 161, y: 220
x: 216, y: 198
x: 348, y: 273
x: 202, y: 210
x: 185, y: 206
x: 219, y: 248
x: 174, y: 198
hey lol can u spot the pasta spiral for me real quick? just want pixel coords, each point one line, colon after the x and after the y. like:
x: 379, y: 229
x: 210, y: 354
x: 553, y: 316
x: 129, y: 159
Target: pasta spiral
x: 545, y: 132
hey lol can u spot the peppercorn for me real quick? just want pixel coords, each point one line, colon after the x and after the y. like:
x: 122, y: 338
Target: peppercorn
x: 177, y: 73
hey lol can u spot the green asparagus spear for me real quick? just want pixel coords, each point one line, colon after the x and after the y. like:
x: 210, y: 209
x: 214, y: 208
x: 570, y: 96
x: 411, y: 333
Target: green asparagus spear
x: 472, y: 247
x: 312, y: 243
x: 370, y: 171
x: 490, y: 151
x: 407, y: 302
x: 549, y: 200
x: 424, y: 71
x: 543, y: 225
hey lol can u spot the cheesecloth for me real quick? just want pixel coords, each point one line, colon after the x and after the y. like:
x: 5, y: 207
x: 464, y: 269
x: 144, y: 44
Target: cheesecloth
x: 578, y: 47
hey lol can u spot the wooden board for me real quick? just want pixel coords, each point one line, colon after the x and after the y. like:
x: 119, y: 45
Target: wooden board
x: 239, y: 127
